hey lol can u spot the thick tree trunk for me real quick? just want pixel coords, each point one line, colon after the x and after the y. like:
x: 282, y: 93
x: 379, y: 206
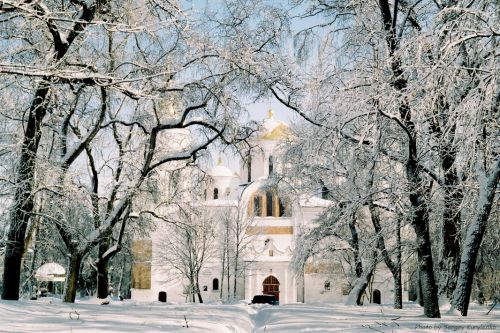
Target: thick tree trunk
x: 359, y: 288
x: 473, y: 239
x: 72, y: 275
x: 23, y: 197
x: 426, y: 274
x: 450, y: 234
x: 103, y: 269
x: 420, y: 221
x: 419, y: 218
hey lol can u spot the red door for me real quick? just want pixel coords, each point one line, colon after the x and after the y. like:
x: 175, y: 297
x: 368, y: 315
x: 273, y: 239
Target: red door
x: 271, y: 286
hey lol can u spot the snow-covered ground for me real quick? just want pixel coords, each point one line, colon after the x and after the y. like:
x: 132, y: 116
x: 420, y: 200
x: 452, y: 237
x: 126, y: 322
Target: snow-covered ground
x: 89, y: 316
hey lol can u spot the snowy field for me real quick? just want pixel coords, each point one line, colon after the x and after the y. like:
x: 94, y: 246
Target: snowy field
x: 89, y: 316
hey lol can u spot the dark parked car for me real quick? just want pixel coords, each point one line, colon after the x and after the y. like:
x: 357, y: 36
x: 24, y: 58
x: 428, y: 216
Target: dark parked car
x: 265, y: 299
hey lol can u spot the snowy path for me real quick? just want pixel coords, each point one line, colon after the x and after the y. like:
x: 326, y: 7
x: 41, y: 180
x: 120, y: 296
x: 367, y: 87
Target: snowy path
x: 238, y: 318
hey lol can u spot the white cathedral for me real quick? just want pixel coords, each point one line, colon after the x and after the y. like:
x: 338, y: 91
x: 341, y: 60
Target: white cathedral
x: 272, y: 223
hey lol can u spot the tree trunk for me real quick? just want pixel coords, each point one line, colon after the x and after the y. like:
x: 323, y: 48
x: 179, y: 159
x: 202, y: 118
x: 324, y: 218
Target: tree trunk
x: 354, y: 242
x: 393, y: 266
x: 198, y: 291
x: 450, y: 235
x: 420, y: 222
x: 398, y: 290
x: 426, y: 274
x: 103, y: 269
x: 419, y: 218
x: 359, y: 288
x: 472, y: 242
x: 23, y: 197
x: 228, y: 275
x: 236, y: 258
x: 72, y: 276
x: 398, y: 286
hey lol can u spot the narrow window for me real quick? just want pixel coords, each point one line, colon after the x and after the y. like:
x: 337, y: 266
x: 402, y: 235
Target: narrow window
x: 256, y: 205
x: 271, y: 253
x: 216, y: 193
x: 249, y: 168
x: 327, y: 285
x: 269, y: 203
x: 271, y: 165
x: 215, y: 284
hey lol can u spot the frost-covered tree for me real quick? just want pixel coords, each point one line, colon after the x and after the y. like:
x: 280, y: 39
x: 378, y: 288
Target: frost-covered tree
x: 189, y: 247
x: 81, y: 68
x: 427, y: 67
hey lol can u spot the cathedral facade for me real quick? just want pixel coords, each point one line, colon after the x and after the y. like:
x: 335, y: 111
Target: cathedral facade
x: 267, y: 223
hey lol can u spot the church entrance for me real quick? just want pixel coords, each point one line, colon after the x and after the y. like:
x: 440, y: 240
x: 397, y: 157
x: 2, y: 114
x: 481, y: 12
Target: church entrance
x: 271, y: 286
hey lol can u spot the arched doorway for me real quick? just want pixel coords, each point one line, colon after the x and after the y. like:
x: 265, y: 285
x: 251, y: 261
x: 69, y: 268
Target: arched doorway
x: 162, y: 296
x: 271, y: 286
x: 377, y: 297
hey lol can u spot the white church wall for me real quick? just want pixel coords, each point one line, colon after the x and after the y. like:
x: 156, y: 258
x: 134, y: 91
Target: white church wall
x: 316, y: 291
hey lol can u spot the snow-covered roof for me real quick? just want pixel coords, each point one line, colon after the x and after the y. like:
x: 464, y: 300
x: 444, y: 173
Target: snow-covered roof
x: 314, y: 202
x: 221, y: 171
x: 50, y: 271
x: 221, y: 203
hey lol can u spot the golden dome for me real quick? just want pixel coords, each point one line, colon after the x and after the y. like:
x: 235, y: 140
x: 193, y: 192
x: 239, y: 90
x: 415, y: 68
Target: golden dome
x: 274, y: 129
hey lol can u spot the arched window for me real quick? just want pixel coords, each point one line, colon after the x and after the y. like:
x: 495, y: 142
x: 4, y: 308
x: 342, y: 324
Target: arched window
x: 216, y: 193
x: 269, y: 203
x: 271, y: 164
x: 215, y: 284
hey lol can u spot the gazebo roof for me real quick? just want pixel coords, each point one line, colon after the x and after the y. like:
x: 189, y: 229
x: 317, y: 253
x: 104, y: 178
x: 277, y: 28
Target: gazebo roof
x: 50, y: 271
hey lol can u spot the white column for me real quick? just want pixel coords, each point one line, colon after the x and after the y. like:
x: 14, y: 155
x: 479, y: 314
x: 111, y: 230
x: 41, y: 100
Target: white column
x: 248, y: 284
x: 287, y: 286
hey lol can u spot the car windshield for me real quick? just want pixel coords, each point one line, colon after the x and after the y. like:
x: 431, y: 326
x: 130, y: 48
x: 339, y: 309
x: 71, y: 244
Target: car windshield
x: 264, y: 299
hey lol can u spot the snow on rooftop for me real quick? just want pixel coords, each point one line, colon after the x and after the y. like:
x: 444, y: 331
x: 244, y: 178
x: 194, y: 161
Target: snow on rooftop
x: 314, y: 202
x: 221, y: 171
x: 50, y: 271
x: 221, y: 203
